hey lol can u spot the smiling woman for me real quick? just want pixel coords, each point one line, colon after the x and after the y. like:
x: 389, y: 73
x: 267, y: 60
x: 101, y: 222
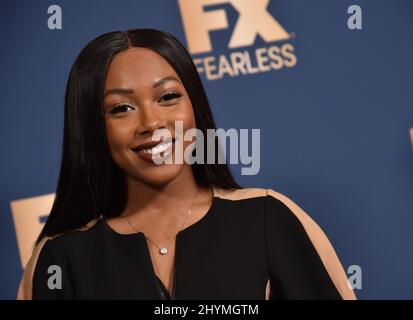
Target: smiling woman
x: 122, y: 226
x: 143, y: 94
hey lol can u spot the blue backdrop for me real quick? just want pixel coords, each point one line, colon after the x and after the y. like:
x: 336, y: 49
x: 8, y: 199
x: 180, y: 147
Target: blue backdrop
x: 334, y: 127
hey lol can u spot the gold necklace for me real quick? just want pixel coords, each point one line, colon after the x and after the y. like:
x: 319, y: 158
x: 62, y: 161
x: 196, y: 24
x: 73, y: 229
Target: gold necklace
x: 164, y: 250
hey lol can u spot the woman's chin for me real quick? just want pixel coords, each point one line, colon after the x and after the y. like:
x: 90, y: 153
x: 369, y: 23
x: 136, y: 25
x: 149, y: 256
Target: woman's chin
x: 159, y: 175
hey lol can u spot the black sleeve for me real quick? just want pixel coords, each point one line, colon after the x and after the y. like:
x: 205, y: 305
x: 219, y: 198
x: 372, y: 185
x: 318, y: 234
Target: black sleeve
x: 50, y: 278
x: 296, y: 270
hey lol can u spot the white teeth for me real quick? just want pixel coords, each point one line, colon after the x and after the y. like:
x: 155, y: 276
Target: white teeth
x: 157, y: 149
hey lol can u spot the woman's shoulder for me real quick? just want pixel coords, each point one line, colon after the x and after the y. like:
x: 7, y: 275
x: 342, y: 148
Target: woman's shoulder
x: 250, y: 193
x: 56, y: 243
x: 266, y: 197
x: 71, y: 239
x: 286, y: 210
x: 273, y: 201
x: 239, y: 194
x: 259, y: 202
x: 278, y: 210
x: 285, y: 216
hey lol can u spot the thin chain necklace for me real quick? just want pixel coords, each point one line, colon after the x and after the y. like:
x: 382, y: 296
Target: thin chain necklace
x: 164, y: 250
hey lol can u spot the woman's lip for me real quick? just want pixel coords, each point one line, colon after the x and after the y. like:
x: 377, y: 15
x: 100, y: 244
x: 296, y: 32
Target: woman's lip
x: 148, y: 156
x: 152, y: 144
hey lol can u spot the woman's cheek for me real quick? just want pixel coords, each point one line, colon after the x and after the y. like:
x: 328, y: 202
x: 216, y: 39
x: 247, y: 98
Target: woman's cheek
x: 117, y: 139
x: 187, y: 116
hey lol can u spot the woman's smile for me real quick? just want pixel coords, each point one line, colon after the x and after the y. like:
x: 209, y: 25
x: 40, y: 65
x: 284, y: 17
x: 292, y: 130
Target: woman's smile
x: 163, y: 149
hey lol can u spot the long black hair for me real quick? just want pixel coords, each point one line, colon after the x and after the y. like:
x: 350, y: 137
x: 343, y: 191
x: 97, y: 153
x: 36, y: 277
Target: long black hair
x: 90, y: 183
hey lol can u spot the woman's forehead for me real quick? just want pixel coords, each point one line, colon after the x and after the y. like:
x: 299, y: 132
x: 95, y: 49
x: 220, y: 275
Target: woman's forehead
x: 138, y: 64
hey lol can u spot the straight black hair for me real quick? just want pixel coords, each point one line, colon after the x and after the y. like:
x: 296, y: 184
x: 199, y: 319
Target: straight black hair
x: 90, y: 184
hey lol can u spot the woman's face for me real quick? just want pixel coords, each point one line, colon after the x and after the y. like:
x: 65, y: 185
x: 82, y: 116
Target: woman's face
x: 143, y: 93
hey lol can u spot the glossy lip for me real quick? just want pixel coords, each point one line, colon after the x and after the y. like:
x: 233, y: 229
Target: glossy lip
x: 150, y: 144
x: 148, y: 156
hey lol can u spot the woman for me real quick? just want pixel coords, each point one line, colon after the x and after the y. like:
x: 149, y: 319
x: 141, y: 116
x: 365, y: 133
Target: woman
x: 122, y: 226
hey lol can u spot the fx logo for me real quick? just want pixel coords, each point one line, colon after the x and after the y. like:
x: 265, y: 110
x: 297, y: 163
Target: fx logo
x: 253, y: 20
x: 29, y: 216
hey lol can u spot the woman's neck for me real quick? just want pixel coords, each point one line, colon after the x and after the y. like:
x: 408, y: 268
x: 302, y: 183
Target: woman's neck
x: 148, y: 200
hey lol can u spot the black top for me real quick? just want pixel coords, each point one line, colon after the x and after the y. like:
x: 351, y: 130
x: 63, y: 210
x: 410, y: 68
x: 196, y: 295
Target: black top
x: 230, y: 253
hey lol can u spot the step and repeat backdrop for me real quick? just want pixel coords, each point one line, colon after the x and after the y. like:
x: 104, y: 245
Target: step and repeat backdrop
x: 327, y: 83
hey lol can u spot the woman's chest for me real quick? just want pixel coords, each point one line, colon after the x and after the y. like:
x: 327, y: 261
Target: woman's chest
x: 195, y: 268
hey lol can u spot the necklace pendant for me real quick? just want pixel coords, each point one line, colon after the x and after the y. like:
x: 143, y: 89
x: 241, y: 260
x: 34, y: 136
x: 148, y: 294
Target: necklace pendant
x: 163, y: 250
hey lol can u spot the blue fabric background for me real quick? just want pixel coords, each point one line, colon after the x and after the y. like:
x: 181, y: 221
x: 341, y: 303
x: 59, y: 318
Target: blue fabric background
x: 334, y: 128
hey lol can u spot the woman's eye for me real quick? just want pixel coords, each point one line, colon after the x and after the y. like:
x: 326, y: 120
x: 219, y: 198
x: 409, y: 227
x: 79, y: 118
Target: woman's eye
x: 120, y: 108
x: 169, y: 96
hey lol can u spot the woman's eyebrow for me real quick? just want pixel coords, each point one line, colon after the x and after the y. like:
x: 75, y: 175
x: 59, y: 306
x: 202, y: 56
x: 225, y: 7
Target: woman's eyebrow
x: 130, y: 90
x: 168, y: 78
x: 118, y: 91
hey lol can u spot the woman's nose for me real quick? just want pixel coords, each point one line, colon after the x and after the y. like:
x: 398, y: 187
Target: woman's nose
x: 150, y: 120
